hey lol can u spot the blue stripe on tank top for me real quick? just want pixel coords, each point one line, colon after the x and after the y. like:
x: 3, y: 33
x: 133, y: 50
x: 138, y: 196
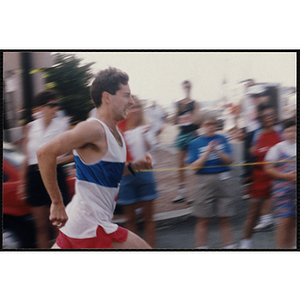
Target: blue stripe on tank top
x: 103, y: 173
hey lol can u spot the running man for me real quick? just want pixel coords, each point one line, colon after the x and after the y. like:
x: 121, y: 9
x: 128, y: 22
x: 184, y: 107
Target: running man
x: 100, y: 156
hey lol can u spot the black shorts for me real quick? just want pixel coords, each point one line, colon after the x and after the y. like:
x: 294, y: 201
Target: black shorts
x: 36, y: 192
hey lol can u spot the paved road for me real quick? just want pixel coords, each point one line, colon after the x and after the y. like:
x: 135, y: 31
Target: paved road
x: 179, y: 233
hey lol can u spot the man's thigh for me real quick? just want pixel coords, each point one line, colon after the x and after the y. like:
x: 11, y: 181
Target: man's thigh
x: 133, y: 242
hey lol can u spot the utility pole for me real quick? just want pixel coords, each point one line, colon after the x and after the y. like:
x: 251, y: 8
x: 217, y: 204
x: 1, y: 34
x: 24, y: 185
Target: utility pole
x: 26, y: 63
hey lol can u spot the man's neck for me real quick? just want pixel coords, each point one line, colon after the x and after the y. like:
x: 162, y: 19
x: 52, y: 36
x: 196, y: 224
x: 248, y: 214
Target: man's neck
x: 106, y: 118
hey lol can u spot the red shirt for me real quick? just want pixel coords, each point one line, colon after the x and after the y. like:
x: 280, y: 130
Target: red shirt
x: 261, y: 185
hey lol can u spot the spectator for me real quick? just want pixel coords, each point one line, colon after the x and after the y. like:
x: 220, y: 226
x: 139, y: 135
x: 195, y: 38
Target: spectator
x: 155, y: 115
x: 211, y: 153
x: 236, y: 141
x: 37, y: 133
x: 138, y: 191
x: 260, y: 186
x: 187, y: 117
x: 282, y: 169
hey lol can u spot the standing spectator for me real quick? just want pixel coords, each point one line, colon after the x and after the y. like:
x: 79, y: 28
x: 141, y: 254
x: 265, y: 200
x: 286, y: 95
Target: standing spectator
x: 284, y: 174
x: 187, y: 117
x: 236, y: 141
x: 211, y: 153
x: 248, y: 113
x: 138, y: 191
x: 37, y: 133
x: 155, y: 114
x: 261, y: 183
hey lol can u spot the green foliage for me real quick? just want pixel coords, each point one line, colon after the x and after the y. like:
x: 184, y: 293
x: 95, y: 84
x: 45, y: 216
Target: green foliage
x: 71, y: 80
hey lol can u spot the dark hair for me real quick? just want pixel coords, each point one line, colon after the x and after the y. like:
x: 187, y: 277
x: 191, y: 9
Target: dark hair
x: 107, y: 80
x: 187, y: 82
x: 44, y: 97
x: 288, y: 123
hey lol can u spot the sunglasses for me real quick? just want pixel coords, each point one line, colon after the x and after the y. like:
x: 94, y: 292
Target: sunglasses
x: 52, y: 104
x: 268, y: 115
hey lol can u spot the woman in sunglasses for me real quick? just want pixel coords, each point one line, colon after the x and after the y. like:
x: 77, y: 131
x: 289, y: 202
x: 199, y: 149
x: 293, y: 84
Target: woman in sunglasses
x: 37, y: 133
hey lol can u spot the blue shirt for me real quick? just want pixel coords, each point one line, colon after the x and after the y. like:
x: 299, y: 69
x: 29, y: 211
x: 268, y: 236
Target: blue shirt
x: 198, y: 147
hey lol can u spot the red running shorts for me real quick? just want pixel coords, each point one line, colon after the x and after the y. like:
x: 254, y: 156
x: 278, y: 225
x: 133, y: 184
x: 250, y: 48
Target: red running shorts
x: 101, y: 241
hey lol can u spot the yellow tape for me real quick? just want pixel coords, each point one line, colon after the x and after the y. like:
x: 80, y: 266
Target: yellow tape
x: 218, y: 166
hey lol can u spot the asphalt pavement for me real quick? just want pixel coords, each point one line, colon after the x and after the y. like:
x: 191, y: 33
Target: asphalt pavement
x: 175, y: 231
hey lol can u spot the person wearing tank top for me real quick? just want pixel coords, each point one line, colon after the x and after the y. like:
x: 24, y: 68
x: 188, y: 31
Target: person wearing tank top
x: 187, y: 118
x: 100, y: 157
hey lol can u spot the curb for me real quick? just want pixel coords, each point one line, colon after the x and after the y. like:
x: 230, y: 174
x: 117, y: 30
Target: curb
x: 164, y: 217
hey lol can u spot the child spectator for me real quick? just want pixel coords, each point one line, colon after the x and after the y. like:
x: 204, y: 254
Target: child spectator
x: 211, y: 153
x: 283, y: 171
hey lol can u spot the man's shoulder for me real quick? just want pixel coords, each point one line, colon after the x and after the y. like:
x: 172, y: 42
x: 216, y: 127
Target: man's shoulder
x: 90, y: 127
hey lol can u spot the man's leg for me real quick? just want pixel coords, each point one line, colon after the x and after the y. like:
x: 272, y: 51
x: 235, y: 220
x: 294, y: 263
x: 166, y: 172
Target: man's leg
x: 201, y: 232
x: 181, y: 179
x: 252, y: 217
x: 133, y: 242
x: 129, y: 211
x: 42, y: 225
x: 149, y: 223
x: 226, y: 231
x: 55, y: 246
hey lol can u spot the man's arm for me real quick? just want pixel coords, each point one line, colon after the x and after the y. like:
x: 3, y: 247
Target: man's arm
x: 225, y: 158
x: 143, y: 164
x: 81, y: 135
x: 196, y: 114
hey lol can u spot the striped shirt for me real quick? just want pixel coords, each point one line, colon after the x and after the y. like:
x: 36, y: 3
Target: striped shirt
x: 96, y: 191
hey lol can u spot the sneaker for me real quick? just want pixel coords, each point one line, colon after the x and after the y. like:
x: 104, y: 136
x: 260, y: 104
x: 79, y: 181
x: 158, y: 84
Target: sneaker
x: 180, y: 198
x: 263, y: 226
x: 245, y: 244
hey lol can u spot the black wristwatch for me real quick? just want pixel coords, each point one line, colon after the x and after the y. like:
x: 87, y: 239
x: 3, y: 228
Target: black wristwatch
x: 130, y: 169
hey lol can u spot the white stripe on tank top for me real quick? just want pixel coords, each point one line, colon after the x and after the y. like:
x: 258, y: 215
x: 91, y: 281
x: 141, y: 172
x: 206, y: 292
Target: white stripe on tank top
x: 96, y: 189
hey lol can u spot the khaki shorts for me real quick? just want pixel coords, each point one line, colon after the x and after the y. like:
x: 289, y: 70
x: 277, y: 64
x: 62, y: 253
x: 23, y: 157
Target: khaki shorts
x: 214, y: 195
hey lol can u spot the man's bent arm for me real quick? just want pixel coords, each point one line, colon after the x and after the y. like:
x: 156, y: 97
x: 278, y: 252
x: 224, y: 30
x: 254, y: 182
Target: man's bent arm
x: 47, y: 159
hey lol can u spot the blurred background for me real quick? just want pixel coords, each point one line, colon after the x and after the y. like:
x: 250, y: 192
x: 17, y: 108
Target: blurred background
x: 220, y: 82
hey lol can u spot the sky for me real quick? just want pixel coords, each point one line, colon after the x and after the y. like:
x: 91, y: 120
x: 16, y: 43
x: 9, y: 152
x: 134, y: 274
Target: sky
x: 157, y: 76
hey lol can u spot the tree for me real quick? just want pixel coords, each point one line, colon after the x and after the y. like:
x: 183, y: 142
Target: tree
x: 71, y: 80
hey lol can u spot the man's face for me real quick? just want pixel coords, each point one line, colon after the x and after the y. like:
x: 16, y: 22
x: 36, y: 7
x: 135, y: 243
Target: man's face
x: 122, y: 101
x: 187, y: 88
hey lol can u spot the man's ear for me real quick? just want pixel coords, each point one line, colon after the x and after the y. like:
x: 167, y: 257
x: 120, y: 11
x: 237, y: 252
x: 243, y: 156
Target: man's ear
x: 106, y: 97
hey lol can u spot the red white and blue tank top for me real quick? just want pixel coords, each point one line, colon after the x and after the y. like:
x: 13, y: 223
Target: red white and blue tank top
x: 96, y: 189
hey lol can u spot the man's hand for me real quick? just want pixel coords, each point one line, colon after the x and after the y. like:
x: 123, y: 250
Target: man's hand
x: 212, y: 145
x: 58, y: 215
x: 144, y: 163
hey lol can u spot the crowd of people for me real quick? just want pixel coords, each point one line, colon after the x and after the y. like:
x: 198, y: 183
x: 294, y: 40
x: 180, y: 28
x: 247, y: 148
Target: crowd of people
x: 116, y: 141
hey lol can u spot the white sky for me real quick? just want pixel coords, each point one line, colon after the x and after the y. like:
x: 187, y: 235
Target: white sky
x: 158, y: 75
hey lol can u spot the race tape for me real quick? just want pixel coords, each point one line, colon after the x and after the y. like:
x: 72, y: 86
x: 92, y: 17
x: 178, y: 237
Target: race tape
x: 217, y: 166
